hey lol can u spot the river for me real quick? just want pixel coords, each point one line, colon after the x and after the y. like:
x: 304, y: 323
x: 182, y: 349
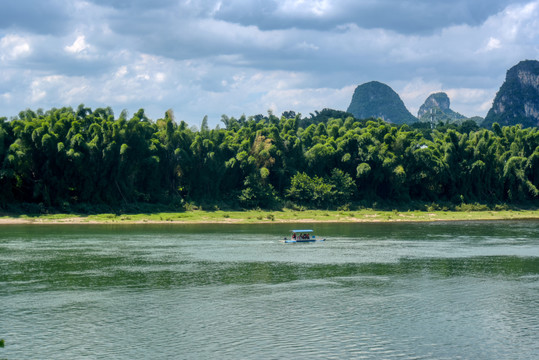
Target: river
x: 467, y: 290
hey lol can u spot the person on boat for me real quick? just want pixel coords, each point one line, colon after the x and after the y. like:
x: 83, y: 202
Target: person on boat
x: 294, y: 236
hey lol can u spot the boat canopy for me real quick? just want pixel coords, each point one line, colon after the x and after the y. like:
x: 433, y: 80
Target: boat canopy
x: 302, y: 231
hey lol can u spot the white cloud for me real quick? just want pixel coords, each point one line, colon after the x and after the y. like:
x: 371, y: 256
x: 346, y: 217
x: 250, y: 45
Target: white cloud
x: 13, y: 47
x: 78, y: 46
x: 493, y: 44
x: 520, y: 17
x: 308, y: 8
x: 160, y: 77
x: 517, y: 25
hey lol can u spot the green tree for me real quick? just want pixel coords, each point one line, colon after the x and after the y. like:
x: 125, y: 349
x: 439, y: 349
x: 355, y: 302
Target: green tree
x: 307, y: 191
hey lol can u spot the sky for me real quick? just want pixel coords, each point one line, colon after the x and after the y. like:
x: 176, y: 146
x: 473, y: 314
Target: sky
x: 210, y: 57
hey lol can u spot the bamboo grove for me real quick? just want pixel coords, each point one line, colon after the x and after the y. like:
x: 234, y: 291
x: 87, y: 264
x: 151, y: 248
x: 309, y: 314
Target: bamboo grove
x: 82, y: 159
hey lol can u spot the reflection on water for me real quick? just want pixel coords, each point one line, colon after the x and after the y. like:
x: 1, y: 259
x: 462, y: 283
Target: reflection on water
x: 444, y: 291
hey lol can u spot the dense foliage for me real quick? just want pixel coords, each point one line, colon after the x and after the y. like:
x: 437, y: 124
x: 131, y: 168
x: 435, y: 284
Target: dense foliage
x: 76, y: 159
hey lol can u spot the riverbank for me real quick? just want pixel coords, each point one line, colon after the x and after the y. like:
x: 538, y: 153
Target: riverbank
x: 286, y: 216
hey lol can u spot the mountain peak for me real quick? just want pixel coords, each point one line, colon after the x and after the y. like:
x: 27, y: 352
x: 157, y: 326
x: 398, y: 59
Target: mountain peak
x: 436, y: 108
x: 378, y: 100
x: 439, y: 100
x: 517, y: 101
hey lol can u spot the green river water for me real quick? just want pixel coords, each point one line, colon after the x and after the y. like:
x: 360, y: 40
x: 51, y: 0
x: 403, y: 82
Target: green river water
x: 461, y: 290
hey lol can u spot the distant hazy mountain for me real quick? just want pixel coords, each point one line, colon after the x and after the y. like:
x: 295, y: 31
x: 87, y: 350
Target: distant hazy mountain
x: 374, y: 99
x: 517, y: 101
x: 436, y: 108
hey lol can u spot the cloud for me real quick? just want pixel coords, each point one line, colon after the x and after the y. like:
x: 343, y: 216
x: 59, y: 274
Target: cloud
x: 493, y: 44
x: 13, y: 47
x: 245, y: 56
x: 402, y: 16
x: 78, y: 46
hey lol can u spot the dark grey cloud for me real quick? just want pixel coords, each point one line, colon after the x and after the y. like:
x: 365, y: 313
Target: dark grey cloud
x: 402, y: 16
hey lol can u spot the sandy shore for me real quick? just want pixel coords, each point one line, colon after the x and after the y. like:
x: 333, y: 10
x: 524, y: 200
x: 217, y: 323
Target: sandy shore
x: 260, y: 217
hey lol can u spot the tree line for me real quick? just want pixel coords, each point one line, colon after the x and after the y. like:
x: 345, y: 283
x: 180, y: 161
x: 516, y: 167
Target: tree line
x: 89, y: 160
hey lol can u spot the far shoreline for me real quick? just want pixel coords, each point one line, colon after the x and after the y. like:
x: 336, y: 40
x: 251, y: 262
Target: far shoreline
x: 271, y: 217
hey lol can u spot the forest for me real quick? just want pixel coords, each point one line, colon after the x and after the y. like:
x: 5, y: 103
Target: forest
x: 84, y: 160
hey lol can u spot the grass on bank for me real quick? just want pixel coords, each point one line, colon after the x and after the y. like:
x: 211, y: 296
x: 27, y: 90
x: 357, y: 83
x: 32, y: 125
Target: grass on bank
x: 285, y: 216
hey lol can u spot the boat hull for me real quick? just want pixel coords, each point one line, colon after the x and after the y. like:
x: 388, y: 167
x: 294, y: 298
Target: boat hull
x: 303, y: 241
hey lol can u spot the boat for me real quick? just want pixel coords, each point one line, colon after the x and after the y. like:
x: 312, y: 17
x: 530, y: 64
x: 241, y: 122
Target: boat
x: 302, y: 236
